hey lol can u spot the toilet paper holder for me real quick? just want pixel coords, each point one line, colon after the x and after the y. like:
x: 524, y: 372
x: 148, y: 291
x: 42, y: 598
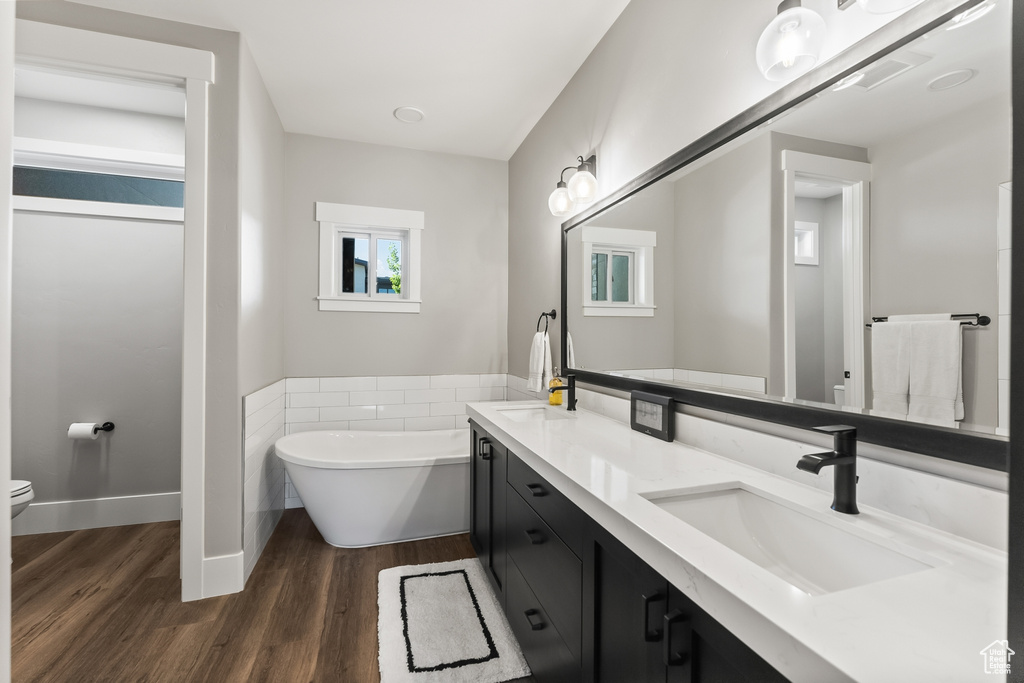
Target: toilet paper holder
x: 105, y: 427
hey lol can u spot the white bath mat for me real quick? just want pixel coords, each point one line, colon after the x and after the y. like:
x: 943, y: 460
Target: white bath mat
x: 440, y: 623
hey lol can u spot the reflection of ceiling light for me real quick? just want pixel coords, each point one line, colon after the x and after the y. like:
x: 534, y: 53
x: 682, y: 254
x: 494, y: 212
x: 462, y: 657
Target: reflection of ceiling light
x: 952, y: 79
x: 852, y: 79
x: 409, y: 114
x: 973, y: 14
x: 885, y: 6
x: 791, y: 44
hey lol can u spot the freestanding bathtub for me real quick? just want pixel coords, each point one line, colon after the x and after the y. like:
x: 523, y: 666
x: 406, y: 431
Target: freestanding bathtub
x: 370, y: 488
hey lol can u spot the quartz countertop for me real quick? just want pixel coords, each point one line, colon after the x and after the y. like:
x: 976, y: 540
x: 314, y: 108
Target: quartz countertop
x: 928, y: 625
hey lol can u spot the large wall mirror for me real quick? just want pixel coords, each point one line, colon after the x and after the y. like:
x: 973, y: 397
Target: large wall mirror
x: 775, y: 266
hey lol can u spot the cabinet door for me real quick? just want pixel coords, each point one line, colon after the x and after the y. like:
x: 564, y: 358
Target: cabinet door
x: 624, y: 614
x: 702, y: 651
x: 480, y: 494
x: 488, y: 460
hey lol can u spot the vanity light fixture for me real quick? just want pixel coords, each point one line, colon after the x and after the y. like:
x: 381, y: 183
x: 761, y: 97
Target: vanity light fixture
x: 581, y: 188
x: 791, y: 44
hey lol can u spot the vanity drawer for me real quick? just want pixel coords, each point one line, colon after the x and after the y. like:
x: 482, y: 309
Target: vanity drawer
x: 554, y: 573
x: 549, y: 658
x: 566, y: 519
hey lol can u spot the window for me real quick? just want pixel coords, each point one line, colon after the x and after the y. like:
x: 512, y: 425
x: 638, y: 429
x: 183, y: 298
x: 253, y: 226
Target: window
x: 618, y: 272
x: 615, y: 283
x: 369, y: 258
x: 805, y: 240
x: 97, y: 187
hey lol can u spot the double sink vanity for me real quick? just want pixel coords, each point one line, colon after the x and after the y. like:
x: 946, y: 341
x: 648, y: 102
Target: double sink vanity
x: 619, y: 557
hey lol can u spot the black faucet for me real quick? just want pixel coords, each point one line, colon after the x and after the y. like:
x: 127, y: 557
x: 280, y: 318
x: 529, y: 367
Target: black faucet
x: 571, y: 389
x: 844, y: 457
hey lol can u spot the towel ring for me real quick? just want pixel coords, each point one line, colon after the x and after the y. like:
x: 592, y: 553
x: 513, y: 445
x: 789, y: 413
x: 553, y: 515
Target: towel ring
x: 546, y: 316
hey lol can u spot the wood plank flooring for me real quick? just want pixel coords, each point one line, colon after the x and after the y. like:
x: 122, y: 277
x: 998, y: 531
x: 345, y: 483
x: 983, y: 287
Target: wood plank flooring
x: 105, y: 605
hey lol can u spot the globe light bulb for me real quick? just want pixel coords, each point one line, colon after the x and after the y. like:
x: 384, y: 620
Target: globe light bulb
x: 791, y: 44
x: 560, y: 203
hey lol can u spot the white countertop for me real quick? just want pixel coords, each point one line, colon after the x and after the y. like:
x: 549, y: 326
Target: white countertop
x: 929, y: 625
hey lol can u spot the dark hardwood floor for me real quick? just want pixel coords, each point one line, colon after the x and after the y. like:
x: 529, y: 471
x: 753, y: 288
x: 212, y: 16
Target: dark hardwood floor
x: 105, y: 605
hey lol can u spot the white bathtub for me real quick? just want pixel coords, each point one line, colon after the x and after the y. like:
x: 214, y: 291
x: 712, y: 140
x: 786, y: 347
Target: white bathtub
x: 370, y: 488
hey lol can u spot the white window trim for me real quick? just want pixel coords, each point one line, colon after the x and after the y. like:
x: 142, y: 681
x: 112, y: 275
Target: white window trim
x: 641, y: 243
x: 79, y: 207
x: 354, y: 218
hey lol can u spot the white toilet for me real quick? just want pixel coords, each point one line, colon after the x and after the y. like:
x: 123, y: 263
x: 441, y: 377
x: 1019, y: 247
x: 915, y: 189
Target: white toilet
x: 839, y: 390
x: 21, y: 495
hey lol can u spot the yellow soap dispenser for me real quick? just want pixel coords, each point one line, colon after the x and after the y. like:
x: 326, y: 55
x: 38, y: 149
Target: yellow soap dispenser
x: 555, y: 397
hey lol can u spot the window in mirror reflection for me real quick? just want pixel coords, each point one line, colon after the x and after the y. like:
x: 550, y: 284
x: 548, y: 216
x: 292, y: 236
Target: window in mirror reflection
x: 618, y: 272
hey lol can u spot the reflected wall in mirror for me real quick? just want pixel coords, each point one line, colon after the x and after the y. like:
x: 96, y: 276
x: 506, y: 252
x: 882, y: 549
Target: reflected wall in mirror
x: 885, y: 195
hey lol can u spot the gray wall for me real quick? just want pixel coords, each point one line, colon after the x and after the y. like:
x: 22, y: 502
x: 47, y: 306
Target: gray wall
x: 614, y: 343
x: 722, y: 250
x: 223, y: 473
x: 262, y: 232
x: 642, y: 94
x: 97, y: 320
x: 933, y: 233
x: 461, y: 326
x: 86, y: 125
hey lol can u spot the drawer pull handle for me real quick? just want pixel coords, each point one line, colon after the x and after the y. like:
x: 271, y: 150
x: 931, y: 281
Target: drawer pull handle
x: 651, y: 635
x: 537, y: 490
x: 533, y: 616
x: 484, y: 449
x: 671, y: 619
x: 536, y: 537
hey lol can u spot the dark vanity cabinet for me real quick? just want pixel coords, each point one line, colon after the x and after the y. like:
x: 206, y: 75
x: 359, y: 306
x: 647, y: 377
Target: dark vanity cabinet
x: 583, y: 607
x: 641, y: 629
x: 487, y: 465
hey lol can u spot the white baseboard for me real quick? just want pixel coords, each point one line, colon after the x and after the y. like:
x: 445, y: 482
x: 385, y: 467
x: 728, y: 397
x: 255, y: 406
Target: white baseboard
x: 223, y: 574
x: 71, y: 515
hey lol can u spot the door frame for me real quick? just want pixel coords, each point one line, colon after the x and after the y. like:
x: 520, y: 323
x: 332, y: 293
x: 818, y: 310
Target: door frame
x: 89, y: 52
x: 856, y: 178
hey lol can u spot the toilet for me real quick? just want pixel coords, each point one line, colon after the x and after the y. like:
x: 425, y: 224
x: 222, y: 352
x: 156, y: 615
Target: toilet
x: 21, y: 495
x: 839, y: 390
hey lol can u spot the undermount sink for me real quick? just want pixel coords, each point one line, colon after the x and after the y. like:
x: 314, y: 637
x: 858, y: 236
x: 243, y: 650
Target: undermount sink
x: 808, y: 553
x: 528, y: 414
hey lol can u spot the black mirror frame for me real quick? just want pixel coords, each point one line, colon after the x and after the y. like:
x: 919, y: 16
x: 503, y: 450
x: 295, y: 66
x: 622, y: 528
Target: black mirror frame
x: 949, y: 444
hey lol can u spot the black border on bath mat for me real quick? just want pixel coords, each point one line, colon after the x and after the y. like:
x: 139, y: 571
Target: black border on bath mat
x: 493, y: 652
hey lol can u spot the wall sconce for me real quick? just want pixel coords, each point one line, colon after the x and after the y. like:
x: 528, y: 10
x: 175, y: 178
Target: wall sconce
x: 791, y: 44
x: 581, y: 189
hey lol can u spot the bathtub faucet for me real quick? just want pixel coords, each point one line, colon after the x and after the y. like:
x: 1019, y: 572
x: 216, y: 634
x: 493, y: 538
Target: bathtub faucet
x: 570, y: 402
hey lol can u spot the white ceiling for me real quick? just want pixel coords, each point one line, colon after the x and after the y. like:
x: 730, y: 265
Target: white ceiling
x: 483, y: 72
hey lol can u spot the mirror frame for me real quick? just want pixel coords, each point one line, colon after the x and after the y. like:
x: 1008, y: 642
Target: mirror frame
x: 990, y: 452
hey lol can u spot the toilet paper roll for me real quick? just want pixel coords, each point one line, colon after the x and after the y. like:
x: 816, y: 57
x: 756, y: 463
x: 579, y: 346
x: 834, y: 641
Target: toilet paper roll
x: 83, y: 430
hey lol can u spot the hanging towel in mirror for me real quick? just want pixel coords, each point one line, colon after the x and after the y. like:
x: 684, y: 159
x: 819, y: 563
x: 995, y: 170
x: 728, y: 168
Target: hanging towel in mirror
x: 936, y: 372
x: 890, y: 369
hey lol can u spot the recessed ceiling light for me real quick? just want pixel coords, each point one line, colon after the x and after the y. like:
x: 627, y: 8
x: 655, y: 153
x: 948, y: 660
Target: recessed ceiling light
x: 409, y: 114
x: 952, y: 79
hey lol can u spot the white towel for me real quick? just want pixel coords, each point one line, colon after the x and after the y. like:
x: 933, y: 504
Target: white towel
x: 540, y: 363
x: 890, y: 368
x: 919, y: 317
x: 936, y: 372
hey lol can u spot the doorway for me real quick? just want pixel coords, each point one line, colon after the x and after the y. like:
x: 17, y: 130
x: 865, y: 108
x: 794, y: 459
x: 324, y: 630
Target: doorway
x: 826, y: 222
